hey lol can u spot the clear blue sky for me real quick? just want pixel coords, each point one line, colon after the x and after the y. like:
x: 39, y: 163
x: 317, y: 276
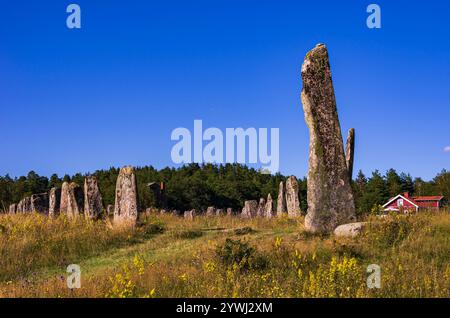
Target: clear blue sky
x: 111, y: 93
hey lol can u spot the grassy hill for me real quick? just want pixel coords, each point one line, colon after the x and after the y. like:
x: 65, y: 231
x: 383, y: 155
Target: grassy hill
x: 167, y: 256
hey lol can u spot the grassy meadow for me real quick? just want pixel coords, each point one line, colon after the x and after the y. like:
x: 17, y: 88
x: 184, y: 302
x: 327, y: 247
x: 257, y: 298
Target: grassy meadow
x: 167, y: 256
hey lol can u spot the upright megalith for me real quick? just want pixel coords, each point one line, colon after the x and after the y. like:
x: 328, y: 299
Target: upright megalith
x: 281, y: 201
x: 350, y: 151
x: 12, y: 208
x: 24, y: 205
x: 71, y: 200
x: 268, y: 208
x: 330, y: 198
x: 54, y: 201
x: 250, y: 209
x: 292, y: 201
x: 39, y: 203
x: 93, y: 204
x: 110, y: 210
x: 126, y: 206
x: 260, y: 211
x: 229, y: 212
x: 19, y: 208
x: 210, y: 211
x: 190, y: 215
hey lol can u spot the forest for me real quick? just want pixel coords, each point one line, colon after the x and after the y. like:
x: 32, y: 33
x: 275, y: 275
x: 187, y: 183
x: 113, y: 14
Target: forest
x: 197, y: 186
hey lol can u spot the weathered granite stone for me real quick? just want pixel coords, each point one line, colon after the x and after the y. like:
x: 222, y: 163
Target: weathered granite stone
x: 330, y: 198
x: 292, y: 201
x: 219, y: 212
x: 12, y: 208
x: 54, y: 201
x: 24, y: 205
x: 281, y: 201
x: 260, y: 212
x: 210, y: 211
x: 189, y: 215
x: 19, y: 208
x: 250, y: 209
x: 268, y: 208
x: 126, y: 206
x: 39, y: 203
x: 229, y: 211
x: 71, y: 200
x: 162, y: 211
x: 110, y: 209
x: 349, y: 230
x: 93, y: 205
x: 350, y: 152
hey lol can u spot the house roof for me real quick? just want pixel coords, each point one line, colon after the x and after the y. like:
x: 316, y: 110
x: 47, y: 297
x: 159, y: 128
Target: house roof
x: 428, y: 198
x: 402, y: 197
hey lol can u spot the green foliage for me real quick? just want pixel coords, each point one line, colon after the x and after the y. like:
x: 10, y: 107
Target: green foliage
x: 244, y: 231
x: 152, y: 229
x: 392, y: 231
x: 235, y: 253
x: 371, y: 193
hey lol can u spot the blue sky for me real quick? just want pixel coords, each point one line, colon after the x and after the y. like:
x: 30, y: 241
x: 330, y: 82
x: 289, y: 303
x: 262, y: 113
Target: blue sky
x: 111, y: 93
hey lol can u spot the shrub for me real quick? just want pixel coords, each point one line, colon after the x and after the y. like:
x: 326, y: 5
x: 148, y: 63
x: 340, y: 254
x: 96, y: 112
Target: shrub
x: 392, y: 230
x: 244, y: 231
x: 235, y: 253
x: 152, y: 229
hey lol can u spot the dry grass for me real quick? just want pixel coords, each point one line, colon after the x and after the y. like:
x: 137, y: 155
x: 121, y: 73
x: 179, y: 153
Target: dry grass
x: 170, y: 257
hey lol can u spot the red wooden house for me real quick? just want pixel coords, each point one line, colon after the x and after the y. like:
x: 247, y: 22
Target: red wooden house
x: 403, y: 202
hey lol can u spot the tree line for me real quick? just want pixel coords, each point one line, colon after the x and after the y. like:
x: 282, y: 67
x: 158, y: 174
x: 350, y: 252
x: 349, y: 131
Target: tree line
x: 197, y: 186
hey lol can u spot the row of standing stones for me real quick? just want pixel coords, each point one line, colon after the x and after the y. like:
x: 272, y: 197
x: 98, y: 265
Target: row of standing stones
x: 74, y: 201
x: 329, y: 193
x: 288, y: 203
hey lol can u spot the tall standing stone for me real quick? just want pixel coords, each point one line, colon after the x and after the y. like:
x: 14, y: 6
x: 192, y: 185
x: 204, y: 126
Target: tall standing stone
x: 54, y: 201
x: 24, y: 205
x: 126, y: 205
x: 350, y: 152
x: 261, y: 207
x: 93, y: 205
x: 330, y: 198
x: 210, y: 211
x: 292, y: 201
x: 71, y: 200
x: 268, y: 209
x: 110, y: 210
x: 229, y: 211
x: 190, y: 215
x: 281, y: 201
x: 19, y: 208
x: 250, y: 209
x: 39, y: 203
x: 12, y: 208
